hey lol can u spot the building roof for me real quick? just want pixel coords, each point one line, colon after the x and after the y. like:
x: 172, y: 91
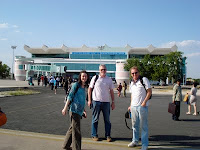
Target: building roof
x: 127, y: 49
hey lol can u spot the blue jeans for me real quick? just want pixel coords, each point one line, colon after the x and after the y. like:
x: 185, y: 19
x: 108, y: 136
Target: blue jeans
x: 139, y: 116
x: 97, y: 108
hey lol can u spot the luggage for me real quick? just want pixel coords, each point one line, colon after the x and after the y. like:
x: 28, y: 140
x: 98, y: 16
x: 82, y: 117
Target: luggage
x: 186, y: 98
x: 3, y: 118
x: 171, y: 108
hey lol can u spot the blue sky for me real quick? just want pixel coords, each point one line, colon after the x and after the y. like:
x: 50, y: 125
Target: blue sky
x: 116, y: 23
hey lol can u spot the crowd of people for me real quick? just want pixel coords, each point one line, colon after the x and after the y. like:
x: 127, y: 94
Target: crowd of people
x: 52, y: 82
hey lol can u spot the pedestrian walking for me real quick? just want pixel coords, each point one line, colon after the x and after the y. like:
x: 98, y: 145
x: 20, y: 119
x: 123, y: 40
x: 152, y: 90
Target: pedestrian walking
x: 99, y: 93
x: 76, y: 99
x: 66, y: 85
x: 193, y: 99
x: 124, y: 88
x: 140, y: 90
x: 55, y: 85
x: 42, y: 80
x: 38, y: 79
x: 119, y: 89
x: 45, y: 81
x: 176, y: 99
x: 51, y: 83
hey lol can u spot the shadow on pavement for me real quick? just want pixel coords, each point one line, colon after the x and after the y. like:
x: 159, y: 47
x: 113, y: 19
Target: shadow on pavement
x: 176, y: 140
x: 122, y: 139
x: 192, y: 120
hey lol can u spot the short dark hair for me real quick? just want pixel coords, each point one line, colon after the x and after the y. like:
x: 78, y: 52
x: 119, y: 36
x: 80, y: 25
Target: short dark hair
x: 179, y: 80
x: 195, y: 84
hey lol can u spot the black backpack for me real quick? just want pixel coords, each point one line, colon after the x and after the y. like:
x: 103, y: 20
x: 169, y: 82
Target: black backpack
x: 141, y: 80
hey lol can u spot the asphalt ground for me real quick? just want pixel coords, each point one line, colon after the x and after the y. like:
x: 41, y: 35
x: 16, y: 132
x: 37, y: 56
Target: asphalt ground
x: 41, y: 113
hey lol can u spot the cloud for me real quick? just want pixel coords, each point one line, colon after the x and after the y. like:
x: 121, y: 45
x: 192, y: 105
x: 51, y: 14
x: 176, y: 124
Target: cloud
x: 15, y: 26
x: 3, y: 39
x: 4, y: 25
x: 192, y: 54
x: 7, y: 25
x: 190, y: 48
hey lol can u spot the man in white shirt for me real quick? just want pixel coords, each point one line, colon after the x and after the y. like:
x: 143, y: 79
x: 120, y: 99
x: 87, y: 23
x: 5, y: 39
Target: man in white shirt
x: 100, y: 91
x: 140, y: 90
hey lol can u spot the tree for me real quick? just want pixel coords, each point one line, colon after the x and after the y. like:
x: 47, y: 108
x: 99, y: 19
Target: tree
x: 4, y: 70
x: 174, y: 61
x: 159, y: 67
x: 133, y: 62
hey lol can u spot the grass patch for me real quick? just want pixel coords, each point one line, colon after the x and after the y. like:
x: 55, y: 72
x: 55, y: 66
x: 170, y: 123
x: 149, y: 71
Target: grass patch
x: 19, y: 93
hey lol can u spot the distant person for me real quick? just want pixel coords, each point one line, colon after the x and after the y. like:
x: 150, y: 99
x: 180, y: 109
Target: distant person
x: 57, y: 81
x: 31, y: 81
x: 124, y: 88
x: 55, y: 85
x: 193, y: 99
x: 38, y: 79
x: 42, y: 80
x: 140, y: 95
x: 77, y: 100
x: 101, y: 93
x: 176, y: 99
x: 45, y: 81
x: 119, y: 89
x: 51, y: 83
x: 66, y: 85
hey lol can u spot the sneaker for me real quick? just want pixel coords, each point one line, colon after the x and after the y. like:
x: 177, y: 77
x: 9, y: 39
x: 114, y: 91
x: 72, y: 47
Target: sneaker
x: 188, y: 113
x: 144, y: 148
x: 194, y: 114
x: 95, y: 138
x: 109, y: 139
x: 133, y: 144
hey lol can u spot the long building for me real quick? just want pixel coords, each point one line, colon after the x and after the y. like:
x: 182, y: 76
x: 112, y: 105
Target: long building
x: 48, y: 60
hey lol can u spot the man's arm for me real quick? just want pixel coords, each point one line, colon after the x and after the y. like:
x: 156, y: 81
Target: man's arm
x: 113, y: 99
x: 129, y: 108
x: 89, y: 96
x: 148, y: 95
x: 174, y: 93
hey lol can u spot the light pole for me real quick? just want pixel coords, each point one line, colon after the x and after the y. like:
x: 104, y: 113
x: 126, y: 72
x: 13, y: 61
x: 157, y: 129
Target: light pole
x: 13, y: 47
x: 101, y: 48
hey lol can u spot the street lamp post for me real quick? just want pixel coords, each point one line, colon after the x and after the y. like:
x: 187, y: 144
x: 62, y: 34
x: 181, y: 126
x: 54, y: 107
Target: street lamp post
x: 101, y: 48
x: 13, y: 47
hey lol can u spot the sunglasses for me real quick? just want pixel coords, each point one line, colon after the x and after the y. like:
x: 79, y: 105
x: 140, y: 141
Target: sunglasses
x: 103, y: 69
x: 134, y: 73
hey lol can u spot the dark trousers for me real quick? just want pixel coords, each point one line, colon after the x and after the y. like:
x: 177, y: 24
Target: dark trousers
x: 177, y: 110
x: 73, y: 135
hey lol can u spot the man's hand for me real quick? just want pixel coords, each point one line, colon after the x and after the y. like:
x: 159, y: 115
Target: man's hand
x: 143, y: 104
x: 89, y: 103
x: 113, y: 105
x: 129, y: 108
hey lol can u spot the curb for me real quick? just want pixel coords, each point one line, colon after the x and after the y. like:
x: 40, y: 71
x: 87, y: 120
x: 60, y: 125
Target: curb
x: 88, y: 141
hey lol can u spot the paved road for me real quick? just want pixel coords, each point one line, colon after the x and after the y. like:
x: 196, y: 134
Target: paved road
x: 42, y: 113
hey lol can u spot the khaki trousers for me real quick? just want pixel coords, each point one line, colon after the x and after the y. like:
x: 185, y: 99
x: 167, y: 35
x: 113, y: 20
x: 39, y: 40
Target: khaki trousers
x: 73, y: 135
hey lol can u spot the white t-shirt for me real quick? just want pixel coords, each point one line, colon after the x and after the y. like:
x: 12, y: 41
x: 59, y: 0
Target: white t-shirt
x: 102, y: 88
x: 138, y: 93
